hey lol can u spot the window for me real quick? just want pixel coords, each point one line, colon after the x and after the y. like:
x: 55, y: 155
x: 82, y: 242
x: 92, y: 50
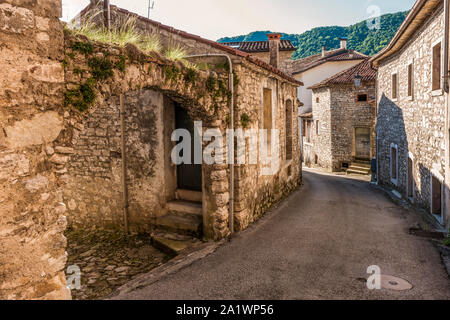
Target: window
x: 289, y: 112
x: 317, y: 100
x: 394, y: 164
x: 317, y: 127
x: 394, y: 86
x: 304, y: 128
x: 437, y: 67
x: 267, y: 114
x: 362, y: 98
x: 410, y: 80
x: 308, y: 131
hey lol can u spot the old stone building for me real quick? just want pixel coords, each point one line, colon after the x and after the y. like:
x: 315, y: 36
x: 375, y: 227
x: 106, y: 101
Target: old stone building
x: 265, y: 98
x: 339, y: 133
x: 88, y: 134
x: 412, y: 120
x: 316, y: 68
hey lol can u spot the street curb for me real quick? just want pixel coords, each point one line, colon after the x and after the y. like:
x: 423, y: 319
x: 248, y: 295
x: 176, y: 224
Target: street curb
x: 428, y: 221
x: 174, y: 265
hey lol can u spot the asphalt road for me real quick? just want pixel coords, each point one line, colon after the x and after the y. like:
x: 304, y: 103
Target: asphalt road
x: 315, y: 245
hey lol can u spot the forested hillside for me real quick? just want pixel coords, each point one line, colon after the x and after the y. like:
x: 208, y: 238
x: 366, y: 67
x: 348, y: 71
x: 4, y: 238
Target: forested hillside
x: 360, y: 37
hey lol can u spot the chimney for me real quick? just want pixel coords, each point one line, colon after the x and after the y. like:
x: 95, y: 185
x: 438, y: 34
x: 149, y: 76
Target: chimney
x: 274, y: 48
x: 324, y: 51
x: 343, y: 43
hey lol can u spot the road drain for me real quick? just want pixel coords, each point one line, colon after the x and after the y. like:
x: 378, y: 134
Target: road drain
x: 394, y: 283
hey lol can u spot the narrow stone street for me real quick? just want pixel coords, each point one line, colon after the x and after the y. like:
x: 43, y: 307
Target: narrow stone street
x: 317, y: 244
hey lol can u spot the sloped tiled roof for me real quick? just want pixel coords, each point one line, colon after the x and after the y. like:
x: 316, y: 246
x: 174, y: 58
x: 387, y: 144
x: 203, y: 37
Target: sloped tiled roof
x: 259, y: 46
x: 365, y: 70
x: 307, y: 63
x: 213, y: 44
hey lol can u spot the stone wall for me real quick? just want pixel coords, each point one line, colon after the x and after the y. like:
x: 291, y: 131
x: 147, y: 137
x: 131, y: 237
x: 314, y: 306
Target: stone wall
x: 321, y: 144
x: 150, y: 86
x: 285, y: 60
x: 415, y: 124
x: 32, y: 215
x: 256, y: 192
x: 337, y: 113
x: 347, y: 115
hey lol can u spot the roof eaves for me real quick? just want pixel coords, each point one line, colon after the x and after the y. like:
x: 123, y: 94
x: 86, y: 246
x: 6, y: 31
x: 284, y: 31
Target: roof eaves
x: 416, y: 9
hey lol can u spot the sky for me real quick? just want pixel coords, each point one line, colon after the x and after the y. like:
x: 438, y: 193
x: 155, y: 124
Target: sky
x: 213, y: 19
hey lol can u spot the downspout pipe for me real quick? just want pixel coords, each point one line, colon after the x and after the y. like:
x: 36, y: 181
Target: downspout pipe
x: 446, y: 86
x: 231, y: 106
x: 446, y: 45
x: 124, y: 168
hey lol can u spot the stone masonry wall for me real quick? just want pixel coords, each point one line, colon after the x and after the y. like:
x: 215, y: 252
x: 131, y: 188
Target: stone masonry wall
x: 346, y: 115
x: 150, y: 85
x: 337, y: 113
x: 261, y: 192
x: 415, y: 124
x: 32, y: 215
x: 255, y: 192
x: 321, y: 144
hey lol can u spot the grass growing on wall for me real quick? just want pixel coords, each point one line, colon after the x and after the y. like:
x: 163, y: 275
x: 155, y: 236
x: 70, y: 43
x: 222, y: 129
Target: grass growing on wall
x: 127, y: 33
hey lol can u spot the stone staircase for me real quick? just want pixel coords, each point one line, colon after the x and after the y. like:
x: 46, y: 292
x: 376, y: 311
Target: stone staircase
x: 360, y: 167
x: 182, y: 226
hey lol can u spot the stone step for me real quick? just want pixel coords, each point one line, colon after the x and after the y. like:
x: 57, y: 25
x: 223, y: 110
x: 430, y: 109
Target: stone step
x: 361, y: 172
x: 181, y: 207
x: 362, y: 164
x: 359, y: 168
x: 190, y: 225
x: 188, y: 195
x: 171, y: 245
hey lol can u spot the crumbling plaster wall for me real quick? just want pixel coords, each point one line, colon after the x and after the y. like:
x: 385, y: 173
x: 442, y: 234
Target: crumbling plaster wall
x: 32, y: 215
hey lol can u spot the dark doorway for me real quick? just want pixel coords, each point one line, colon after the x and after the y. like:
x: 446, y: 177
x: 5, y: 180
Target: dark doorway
x: 189, y: 176
x: 362, y: 143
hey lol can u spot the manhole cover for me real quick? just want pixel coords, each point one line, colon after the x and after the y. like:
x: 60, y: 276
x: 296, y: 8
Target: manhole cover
x: 394, y: 283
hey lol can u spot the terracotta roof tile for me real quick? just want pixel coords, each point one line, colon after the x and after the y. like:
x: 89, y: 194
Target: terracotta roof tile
x: 259, y: 46
x: 310, y: 62
x: 365, y: 70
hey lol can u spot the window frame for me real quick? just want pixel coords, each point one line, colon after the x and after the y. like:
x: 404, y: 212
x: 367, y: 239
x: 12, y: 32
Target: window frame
x: 394, y: 85
x: 358, y: 95
x: 435, y: 90
x: 410, y: 74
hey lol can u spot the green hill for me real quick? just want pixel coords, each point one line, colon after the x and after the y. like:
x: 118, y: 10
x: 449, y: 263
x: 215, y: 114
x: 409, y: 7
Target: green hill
x: 360, y: 37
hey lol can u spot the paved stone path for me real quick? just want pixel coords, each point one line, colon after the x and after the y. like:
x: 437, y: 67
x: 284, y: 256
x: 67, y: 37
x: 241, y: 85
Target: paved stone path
x: 107, y: 260
x: 315, y: 245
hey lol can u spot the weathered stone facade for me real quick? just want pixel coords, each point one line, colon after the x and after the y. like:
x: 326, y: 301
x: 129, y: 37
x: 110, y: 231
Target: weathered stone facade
x: 414, y: 124
x: 335, y: 117
x: 254, y: 193
x: 32, y: 213
x: 150, y: 87
x: 60, y: 144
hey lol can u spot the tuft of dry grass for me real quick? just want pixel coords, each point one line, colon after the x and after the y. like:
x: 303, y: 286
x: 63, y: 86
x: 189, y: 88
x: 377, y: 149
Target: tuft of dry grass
x: 121, y: 34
